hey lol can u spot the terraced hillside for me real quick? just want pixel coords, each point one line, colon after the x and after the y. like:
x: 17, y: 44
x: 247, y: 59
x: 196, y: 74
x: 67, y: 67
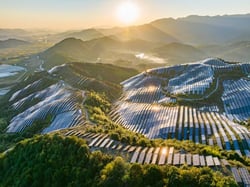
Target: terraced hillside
x: 236, y: 98
x: 174, y: 102
x: 185, y: 113
x: 51, y: 100
x: 59, y: 102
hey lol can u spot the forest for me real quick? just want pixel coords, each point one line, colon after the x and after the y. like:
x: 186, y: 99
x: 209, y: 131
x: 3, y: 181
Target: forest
x: 53, y: 160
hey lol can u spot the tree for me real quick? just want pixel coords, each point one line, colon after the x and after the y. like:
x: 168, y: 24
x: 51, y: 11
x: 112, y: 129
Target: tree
x: 153, y: 176
x: 115, y: 173
x: 136, y: 175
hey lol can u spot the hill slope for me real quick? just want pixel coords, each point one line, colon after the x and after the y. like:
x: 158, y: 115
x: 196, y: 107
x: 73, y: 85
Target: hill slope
x: 177, y: 52
x: 146, y: 32
x: 45, y: 99
x: 10, y: 43
x: 60, y: 161
x: 87, y: 34
x: 104, y: 49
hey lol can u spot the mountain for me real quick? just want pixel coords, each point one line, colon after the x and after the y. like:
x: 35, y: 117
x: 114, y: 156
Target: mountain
x: 145, y: 32
x: 87, y: 34
x: 43, y: 99
x: 230, y: 21
x: 14, y: 33
x: 143, y: 129
x: 72, y: 49
x: 237, y: 52
x: 10, y: 43
x: 106, y: 49
x: 178, y: 52
x: 174, y: 40
x: 205, y: 29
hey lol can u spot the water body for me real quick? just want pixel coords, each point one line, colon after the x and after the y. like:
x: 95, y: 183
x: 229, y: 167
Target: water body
x: 9, y: 70
x: 152, y: 58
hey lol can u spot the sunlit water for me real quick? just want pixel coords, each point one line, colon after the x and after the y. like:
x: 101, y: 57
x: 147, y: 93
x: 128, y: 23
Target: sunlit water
x: 151, y: 58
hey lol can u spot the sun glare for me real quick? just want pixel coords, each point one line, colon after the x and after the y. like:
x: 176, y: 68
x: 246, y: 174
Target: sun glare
x: 164, y: 151
x: 127, y: 12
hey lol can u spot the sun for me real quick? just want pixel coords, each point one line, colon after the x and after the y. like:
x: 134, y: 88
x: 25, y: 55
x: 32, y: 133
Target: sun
x: 128, y: 12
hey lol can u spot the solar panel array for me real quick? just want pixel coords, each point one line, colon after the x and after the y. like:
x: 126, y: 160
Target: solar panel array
x: 160, y: 155
x: 183, y: 123
x: 58, y: 101
x: 140, y: 110
x: 236, y: 99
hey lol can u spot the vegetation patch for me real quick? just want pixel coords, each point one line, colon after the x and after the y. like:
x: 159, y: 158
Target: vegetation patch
x: 58, y: 161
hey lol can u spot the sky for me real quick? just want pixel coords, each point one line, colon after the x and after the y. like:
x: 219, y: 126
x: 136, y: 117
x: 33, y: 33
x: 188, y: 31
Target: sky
x: 78, y: 14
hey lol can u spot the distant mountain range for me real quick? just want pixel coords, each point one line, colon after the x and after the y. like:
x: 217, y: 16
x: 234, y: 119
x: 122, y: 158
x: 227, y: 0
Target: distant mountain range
x: 105, y: 49
x: 12, y: 43
x: 200, y: 30
x: 170, y: 41
x: 194, y: 30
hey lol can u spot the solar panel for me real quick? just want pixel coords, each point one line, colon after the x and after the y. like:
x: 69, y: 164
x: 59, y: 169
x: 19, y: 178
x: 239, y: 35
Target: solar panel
x: 210, y: 161
x: 225, y: 162
x: 189, y: 159
x: 135, y: 155
x: 149, y: 155
x: 104, y: 142
x: 176, y: 159
x: 92, y: 143
x: 236, y: 175
x: 142, y: 155
x: 155, y: 155
x: 216, y: 161
x: 126, y: 148
x: 109, y: 144
x: 202, y: 160
x: 183, y: 160
x: 170, y: 159
x: 245, y: 176
x: 196, y: 160
x: 163, y: 154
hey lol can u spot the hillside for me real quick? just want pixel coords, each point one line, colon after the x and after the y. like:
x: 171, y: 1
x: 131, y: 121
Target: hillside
x: 145, y: 32
x: 6, y: 34
x: 238, y: 51
x: 60, y: 161
x: 105, y: 49
x: 44, y: 99
x: 61, y: 52
x: 10, y: 43
x: 204, y: 29
x: 174, y: 41
x: 84, y: 35
x: 189, y: 93
x: 171, y: 120
x: 177, y: 52
x: 194, y: 30
x: 165, y: 103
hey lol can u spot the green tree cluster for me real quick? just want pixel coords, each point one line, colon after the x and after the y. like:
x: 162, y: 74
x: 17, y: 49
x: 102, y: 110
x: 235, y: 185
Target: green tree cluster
x: 53, y: 160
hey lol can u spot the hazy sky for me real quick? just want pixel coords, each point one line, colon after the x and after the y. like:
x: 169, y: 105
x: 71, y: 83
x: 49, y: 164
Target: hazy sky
x: 76, y: 14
